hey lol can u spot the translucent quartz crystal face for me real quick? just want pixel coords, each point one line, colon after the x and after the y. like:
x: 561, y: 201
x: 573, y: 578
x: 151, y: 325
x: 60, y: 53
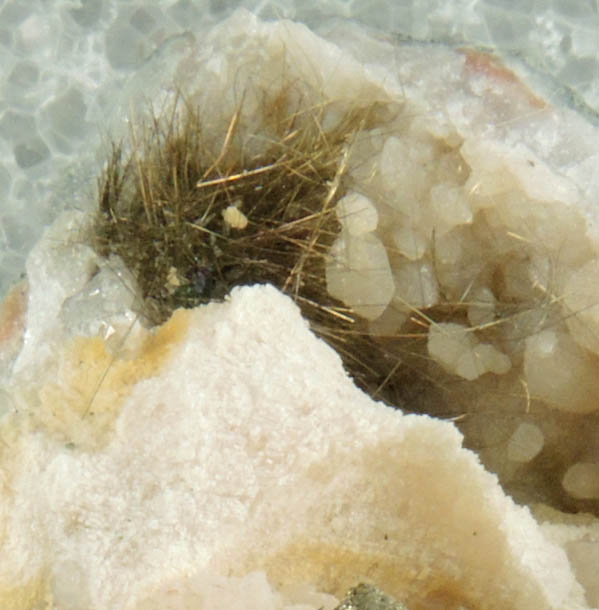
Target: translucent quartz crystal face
x: 359, y: 274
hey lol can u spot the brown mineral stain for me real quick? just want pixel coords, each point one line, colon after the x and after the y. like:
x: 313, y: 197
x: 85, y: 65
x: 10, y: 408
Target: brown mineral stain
x: 25, y: 597
x: 81, y: 405
x: 13, y: 310
x: 489, y: 65
x: 335, y: 569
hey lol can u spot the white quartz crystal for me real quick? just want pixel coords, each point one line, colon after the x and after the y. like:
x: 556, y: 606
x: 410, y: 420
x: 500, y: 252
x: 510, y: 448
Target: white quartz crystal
x: 416, y: 285
x: 481, y: 309
x: 358, y: 273
x: 581, y: 298
x: 560, y: 372
x: 525, y: 443
x: 403, y: 178
x: 458, y: 350
x: 582, y: 480
x: 409, y: 242
x: 357, y: 214
x: 449, y: 207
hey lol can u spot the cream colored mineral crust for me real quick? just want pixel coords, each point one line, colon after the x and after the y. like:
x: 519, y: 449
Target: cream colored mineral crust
x: 226, y: 460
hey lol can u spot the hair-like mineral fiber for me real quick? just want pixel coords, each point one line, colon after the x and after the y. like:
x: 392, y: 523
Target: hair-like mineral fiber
x: 165, y: 208
x: 193, y: 213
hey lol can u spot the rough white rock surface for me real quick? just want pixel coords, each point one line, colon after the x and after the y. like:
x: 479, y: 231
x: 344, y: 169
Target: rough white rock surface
x: 236, y: 453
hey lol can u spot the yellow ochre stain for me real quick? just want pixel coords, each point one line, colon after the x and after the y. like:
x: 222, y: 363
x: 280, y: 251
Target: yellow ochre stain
x: 24, y: 597
x: 335, y: 569
x: 82, y: 403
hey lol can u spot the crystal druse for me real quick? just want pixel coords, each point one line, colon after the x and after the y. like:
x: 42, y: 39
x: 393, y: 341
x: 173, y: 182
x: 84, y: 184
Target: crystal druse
x: 226, y: 459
